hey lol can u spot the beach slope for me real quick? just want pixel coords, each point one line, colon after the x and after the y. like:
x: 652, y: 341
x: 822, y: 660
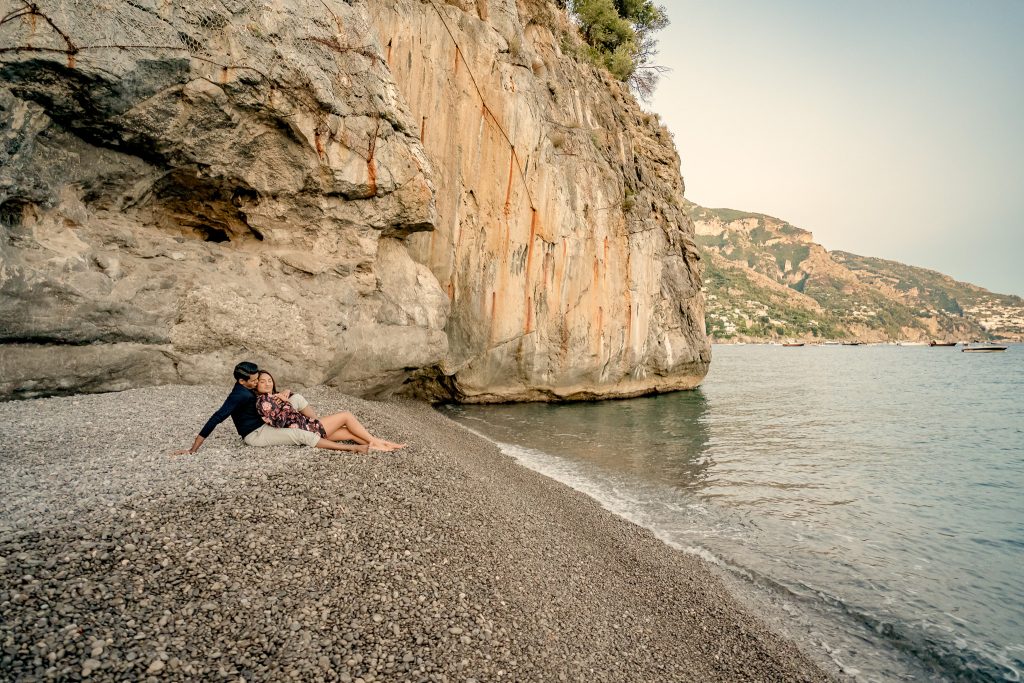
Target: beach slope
x: 448, y: 561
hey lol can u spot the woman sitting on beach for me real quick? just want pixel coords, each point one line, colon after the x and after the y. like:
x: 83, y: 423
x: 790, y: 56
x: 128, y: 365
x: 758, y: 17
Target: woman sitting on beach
x: 288, y: 410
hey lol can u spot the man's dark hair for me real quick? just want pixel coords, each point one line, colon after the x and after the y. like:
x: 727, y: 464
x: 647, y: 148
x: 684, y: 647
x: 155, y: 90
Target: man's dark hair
x: 245, y: 370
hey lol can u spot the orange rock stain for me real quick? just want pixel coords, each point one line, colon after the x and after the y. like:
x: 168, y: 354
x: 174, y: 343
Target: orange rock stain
x: 319, y: 143
x: 508, y: 188
x: 494, y: 314
x: 529, y: 245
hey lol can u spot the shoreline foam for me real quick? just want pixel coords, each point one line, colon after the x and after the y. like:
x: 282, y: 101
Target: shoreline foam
x: 449, y: 561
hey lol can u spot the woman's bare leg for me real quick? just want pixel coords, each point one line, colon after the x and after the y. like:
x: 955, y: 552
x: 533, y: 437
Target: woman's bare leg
x: 344, y: 435
x: 346, y: 420
x: 331, y: 446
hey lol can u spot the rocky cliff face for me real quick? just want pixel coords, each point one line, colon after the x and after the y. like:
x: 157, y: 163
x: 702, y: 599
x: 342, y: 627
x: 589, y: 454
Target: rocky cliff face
x: 186, y: 186
x: 560, y: 238
x: 237, y: 188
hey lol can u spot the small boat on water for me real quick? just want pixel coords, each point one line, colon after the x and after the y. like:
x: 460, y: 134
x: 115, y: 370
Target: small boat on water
x: 938, y: 343
x: 793, y: 344
x: 984, y: 348
x: 853, y: 343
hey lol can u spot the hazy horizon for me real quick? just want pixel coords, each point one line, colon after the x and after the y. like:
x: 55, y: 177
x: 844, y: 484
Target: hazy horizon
x: 887, y: 130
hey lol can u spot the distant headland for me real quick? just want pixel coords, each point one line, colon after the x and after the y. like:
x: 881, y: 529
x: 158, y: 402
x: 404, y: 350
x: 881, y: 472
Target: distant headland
x: 767, y: 280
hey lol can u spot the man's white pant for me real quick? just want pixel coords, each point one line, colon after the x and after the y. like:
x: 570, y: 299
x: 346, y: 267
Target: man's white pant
x: 275, y: 436
x: 298, y: 402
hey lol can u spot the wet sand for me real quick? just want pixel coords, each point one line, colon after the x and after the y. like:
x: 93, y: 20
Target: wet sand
x: 445, y: 562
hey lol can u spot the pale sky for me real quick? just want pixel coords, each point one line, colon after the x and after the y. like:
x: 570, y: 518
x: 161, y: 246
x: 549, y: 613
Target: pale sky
x: 887, y: 128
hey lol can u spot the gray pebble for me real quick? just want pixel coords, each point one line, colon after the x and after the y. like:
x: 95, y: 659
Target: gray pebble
x: 447, y: 561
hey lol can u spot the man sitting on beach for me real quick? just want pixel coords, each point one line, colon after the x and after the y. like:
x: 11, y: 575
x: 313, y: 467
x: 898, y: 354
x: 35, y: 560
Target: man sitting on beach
x: 241, y: 406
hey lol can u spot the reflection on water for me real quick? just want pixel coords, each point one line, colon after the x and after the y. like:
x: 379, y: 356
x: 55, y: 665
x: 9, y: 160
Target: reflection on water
x: 657, y: 440
x: 885, y: 484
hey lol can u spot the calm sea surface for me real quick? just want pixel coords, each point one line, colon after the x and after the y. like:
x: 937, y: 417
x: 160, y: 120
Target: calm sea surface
x: 875, y: 494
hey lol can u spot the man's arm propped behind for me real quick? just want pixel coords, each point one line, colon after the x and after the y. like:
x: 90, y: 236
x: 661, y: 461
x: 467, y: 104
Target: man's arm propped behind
x: 246, y: 374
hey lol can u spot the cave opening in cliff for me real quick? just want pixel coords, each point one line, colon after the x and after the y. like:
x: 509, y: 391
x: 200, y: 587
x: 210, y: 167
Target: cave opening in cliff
x: 212, y: 209
x: 212, y: 234
x: 12, y: 213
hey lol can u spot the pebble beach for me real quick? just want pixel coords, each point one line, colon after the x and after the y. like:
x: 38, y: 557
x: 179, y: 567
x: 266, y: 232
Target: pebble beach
x: 446, y: 561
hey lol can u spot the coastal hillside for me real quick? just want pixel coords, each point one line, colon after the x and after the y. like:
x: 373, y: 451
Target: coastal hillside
x: 370, y: 195
x: 767, y: 279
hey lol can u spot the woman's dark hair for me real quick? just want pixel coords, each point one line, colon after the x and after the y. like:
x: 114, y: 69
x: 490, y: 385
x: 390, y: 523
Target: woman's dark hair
x: 246, y: 369
x: 274, y: 389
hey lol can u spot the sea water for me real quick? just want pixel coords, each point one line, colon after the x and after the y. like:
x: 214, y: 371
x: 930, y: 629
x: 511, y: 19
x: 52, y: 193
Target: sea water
x: 875, y: 494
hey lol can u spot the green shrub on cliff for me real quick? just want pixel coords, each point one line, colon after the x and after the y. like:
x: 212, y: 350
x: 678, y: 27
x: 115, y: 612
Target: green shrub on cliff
x: 619, y: 36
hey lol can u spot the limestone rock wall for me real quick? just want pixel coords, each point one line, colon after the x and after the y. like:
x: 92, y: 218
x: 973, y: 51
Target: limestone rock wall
x: 185, y: 185
x: 380, y: 195
x: 560, y: 238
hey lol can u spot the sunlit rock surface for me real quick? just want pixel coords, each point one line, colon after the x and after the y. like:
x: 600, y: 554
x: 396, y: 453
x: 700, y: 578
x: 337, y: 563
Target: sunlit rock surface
x: 330, y: 189
x: 560, y: 239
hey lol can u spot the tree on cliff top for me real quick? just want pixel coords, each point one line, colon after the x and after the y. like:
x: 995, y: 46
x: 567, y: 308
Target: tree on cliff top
x: 619, y: 35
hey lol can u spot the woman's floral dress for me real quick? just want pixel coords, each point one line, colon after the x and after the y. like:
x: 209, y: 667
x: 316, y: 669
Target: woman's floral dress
x: 278, y: 413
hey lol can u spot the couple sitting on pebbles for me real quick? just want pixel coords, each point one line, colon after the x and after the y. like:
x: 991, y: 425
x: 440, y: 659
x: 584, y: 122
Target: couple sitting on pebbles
x: 264, y: 416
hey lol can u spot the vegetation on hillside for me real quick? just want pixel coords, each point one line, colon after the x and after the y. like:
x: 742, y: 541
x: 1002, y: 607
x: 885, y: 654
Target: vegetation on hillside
x: 739, y: 307
x: 619, y: 35
x: 864, y: 307
x: 936, y: 294
x: 940, y: 290
x: 857, y: 297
